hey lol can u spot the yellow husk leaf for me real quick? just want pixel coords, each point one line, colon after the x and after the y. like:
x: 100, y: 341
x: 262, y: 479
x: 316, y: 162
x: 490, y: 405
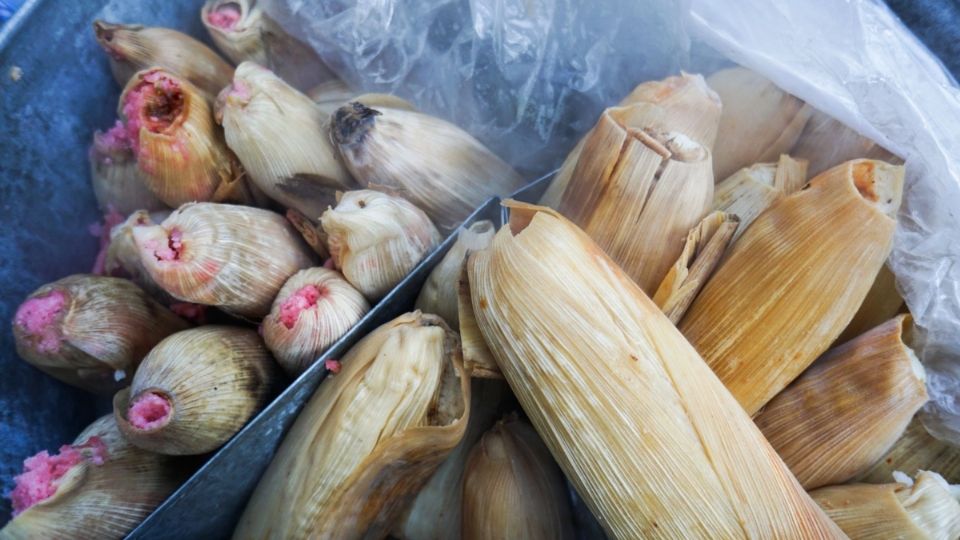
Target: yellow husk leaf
x: 641, y: 427
x: 759, y: 120
x: 794, y: 280
x: 369, y: 438
x: 751, y: 190
x: 926, y: 510
x: 512, y: 488
x: 477, y: 358
x: 883, y: 301
x: 115, y: 180
x: 826, y: 142
x: 842, y: 414
x: 914, y: 451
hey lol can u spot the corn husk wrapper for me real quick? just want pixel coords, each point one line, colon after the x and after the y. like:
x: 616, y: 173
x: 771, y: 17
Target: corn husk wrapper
x: 431, y: 163
x: 759, y: 120
x: 436, y: 512
x: 104, y: 496
x: 826, y: 142
x: 369, y: 438
x: 123, y: 257
x: 91, y: 331
x: 229, y: 377
x: 692, y: 108
x: 114, y: 177
x: 705, y: 246
x: 181, y: 154
x: 311, y: 232
x: 751, y: 190
x: 134, y: 47
x: 440, y: 293
x: 281, y: 139
x: 512, y: 488
x: 314, y: 309
x: 849, y: 408
x: 641, y: 427
x: 477, y: 358
x: 923, y: 510
x: 375, y: 239
x: 243, y: 32
x: 914, y: 451
x: 637, y: 191
x: 233, y: 257
x: 883, y: 302
x: 794, y: 280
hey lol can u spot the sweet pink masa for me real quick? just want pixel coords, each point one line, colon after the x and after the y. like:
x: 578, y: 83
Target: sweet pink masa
x: 37, y: 318
x: 224, y: 17
x: 149, y: 410
x: 303, y: 299
x: 42, y: 472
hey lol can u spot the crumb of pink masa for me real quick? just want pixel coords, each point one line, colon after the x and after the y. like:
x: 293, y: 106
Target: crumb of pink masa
x: 303, y: 299
x: 170, y: 252
x: 37, y: 316
x: 150, y: 410
x: 41, y: 472
x: 224, y: 17
x: 332, y: 365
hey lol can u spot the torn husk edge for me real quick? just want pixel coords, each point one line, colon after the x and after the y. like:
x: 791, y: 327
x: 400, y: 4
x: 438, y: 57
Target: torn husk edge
x: 310, y: 230
x: 477, y: 358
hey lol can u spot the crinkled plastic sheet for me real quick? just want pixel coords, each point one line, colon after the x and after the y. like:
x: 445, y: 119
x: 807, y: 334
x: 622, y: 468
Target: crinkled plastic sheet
x: 528, y: 77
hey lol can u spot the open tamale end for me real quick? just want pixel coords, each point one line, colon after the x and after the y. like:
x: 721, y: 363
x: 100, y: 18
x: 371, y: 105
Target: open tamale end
x: 644, y: 430
x: 843, y: 413
x: 914, y: 451
x: 794, y: 279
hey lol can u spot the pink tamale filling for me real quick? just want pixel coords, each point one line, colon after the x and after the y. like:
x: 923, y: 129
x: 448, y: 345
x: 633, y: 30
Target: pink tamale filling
x: 303, y: 299
x: 37, y: 316
x: 150, y: 410
x: 224, y: 17
x: 332, y: 365
x: 41, y: 473
x: 153, y: 104
x: 170, y: 252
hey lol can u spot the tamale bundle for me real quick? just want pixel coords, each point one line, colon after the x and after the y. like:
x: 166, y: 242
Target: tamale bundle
x: 794, y: 279
x: 642, y: 428
x: 914, y: 451
x: 751, y: 190
x: 843, y: 413
x: 923, y: 510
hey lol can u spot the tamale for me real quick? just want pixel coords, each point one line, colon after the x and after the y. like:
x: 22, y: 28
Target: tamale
x: 916, y: 450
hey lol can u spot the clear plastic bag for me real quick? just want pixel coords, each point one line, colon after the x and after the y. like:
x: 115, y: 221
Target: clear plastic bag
x: 528, y: 77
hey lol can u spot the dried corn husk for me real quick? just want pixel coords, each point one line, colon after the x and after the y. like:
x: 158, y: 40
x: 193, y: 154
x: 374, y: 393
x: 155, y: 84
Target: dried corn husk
x: 849, y: 408
x: 181, y: 155
x: 759, y: 120
x: 310, y: 230
x: 314, y: 309
x: 882, y: 303
x: 794, y: 279
x: 243, y: 32
x: 914, y: 451
x: 924, y: 510
x: 281, y: 139
x: 637, y: 191
x: 440, y: 293
x: 212, y: 380
x: 477, y: 358
x: 232, y: 257
x: 104, y: 496
x: 113, y: 174
x: 645, y: 432
x: 706, y: 243
x: 751, y: 190
x: 134, y: 47
x: 376, y: 239
x: 512, y: 488
x: 123, y: 257
x: 826, y: 142
x: 436, y: 512
x: 692, y: 108
x: 369, y: 438
x: 432, y: 163
x: 91, y: 331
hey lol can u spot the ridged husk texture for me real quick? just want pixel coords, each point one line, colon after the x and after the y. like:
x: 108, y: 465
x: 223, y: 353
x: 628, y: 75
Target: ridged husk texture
x: 882, y: 303
x: 368, y: 439
x: 233, y: 257
x: 298, y: 332
x: 281, y: 138
x: 926, y: 510
x: 794, y: 280
x: 512, y: 488
x: 640, y: 425
x: 123, y: 257
x: 914, y: 451
x: 375, y: 239
x: 759, y: 120
x: 115, y: 178
x: 825, y: 142
x: 848, y: 409
x: 100, y: 502
x: 134, y: 47
x: 215, y: 378
x: 430, y: 162
x: 96, y: 332
x: 638, y: 190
